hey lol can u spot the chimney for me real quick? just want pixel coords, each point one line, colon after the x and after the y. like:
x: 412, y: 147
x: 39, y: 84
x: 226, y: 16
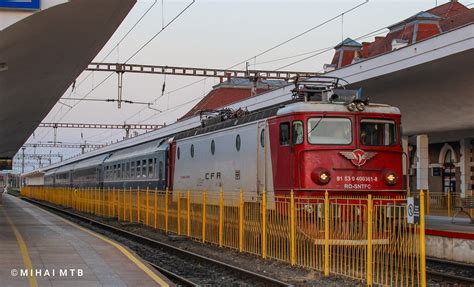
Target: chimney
x: 365, y: 49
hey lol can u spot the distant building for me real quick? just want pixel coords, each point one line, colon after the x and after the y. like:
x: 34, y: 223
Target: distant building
x: 231, y: 91
x: 416, y: 28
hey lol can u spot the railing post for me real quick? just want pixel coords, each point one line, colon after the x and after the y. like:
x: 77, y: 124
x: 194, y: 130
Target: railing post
x: 139, y: 209
x: 179, y: 212
x: 422, y: 240
x: 264, y: 224
x: 428, y: 199
x: 147, y: 206
x: 124, y: 205
x: 204, y: 217
x: 155, y: 207
x: 449, y: 203
x: 130, y: 205
x: 118, y: 204
x: 166, y: 210
x: 292, y: 228
x: 221, y: 218
x: 326, y: 233
x: 369, y: 240
x: 241, y: 221
x: 189, y: 214
x: 113, y: 202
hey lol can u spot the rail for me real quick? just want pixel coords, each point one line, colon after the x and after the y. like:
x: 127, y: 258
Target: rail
x: 364, y: 238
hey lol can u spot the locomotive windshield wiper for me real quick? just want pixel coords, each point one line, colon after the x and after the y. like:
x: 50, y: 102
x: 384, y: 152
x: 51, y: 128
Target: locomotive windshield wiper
x: 317, y: 124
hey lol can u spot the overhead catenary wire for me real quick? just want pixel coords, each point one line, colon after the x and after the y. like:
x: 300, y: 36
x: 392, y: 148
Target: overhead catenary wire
x: 133, y: 55
x: 263, y: 52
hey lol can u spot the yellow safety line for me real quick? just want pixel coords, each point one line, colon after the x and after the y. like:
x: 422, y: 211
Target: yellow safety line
x: 24, y: 251
x: 127, y: 253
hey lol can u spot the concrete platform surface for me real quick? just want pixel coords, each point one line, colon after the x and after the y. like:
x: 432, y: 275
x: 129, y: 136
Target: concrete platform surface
x: 38, y: 248
x: 444, y: 223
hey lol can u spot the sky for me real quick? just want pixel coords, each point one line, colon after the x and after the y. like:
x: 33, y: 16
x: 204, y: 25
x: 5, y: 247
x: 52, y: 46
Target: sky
x: 212, y: 34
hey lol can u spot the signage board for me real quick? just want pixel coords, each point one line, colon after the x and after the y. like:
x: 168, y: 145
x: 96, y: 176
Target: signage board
x: 20, y: 4
x: 413, y: 210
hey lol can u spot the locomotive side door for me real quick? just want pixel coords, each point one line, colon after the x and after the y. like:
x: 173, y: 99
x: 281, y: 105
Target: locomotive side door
x: 262, y: 143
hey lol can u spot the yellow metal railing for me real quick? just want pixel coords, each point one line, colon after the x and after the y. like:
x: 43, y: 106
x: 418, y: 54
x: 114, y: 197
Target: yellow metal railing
x: 364, y: 238
x: 440, y: 203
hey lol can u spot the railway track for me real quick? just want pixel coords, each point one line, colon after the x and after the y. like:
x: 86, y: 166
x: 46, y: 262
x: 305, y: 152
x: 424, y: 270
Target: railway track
x: 443, y: 271
x: 183, y: 267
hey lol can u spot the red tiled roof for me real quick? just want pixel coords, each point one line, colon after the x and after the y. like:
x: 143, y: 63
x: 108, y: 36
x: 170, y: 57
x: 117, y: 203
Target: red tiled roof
x: 221, y: 97
x: 457, y: 20
x: 448, y: 10
x: 453, y: 14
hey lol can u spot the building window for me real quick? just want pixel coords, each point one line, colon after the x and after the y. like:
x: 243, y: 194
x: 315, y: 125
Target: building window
x: 192, y: 150
x: 285, y: 134
x: 298, y: 132
x: 237, y: 143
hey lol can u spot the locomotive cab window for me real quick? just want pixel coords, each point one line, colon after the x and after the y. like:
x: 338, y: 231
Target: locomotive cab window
x: 298, y: 132
x: 377, y: 132
x: 329, y: 131
x: 285, y: 134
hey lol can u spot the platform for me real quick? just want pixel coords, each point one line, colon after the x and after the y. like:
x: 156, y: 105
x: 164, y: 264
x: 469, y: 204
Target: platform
x: 58, y: 251
x: 450, y: 241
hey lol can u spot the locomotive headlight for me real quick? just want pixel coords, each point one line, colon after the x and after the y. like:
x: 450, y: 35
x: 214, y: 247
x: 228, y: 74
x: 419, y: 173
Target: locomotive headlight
x: 391, y: 178
x: 324, y: 176
x: 321, y: 176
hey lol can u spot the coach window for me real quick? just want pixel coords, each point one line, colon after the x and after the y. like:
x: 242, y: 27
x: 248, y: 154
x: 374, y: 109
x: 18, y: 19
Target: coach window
x: 107, y: 172
x: 114, y: 176
x: 298, y: 133
x: 285, y: 134
x: 155, y: 169
x: 178, y: 153
x: 192, y: 150
x: 128, y: 169
x: 139, y: 168
x: 119, y: 171
x: 150, y: 167
x: 262, y: 138
x: 132, y: 169
x: 144, y: 169
x: 160, y: 171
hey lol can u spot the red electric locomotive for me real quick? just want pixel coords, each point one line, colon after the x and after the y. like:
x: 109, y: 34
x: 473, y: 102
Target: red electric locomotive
x: 326, y: 143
